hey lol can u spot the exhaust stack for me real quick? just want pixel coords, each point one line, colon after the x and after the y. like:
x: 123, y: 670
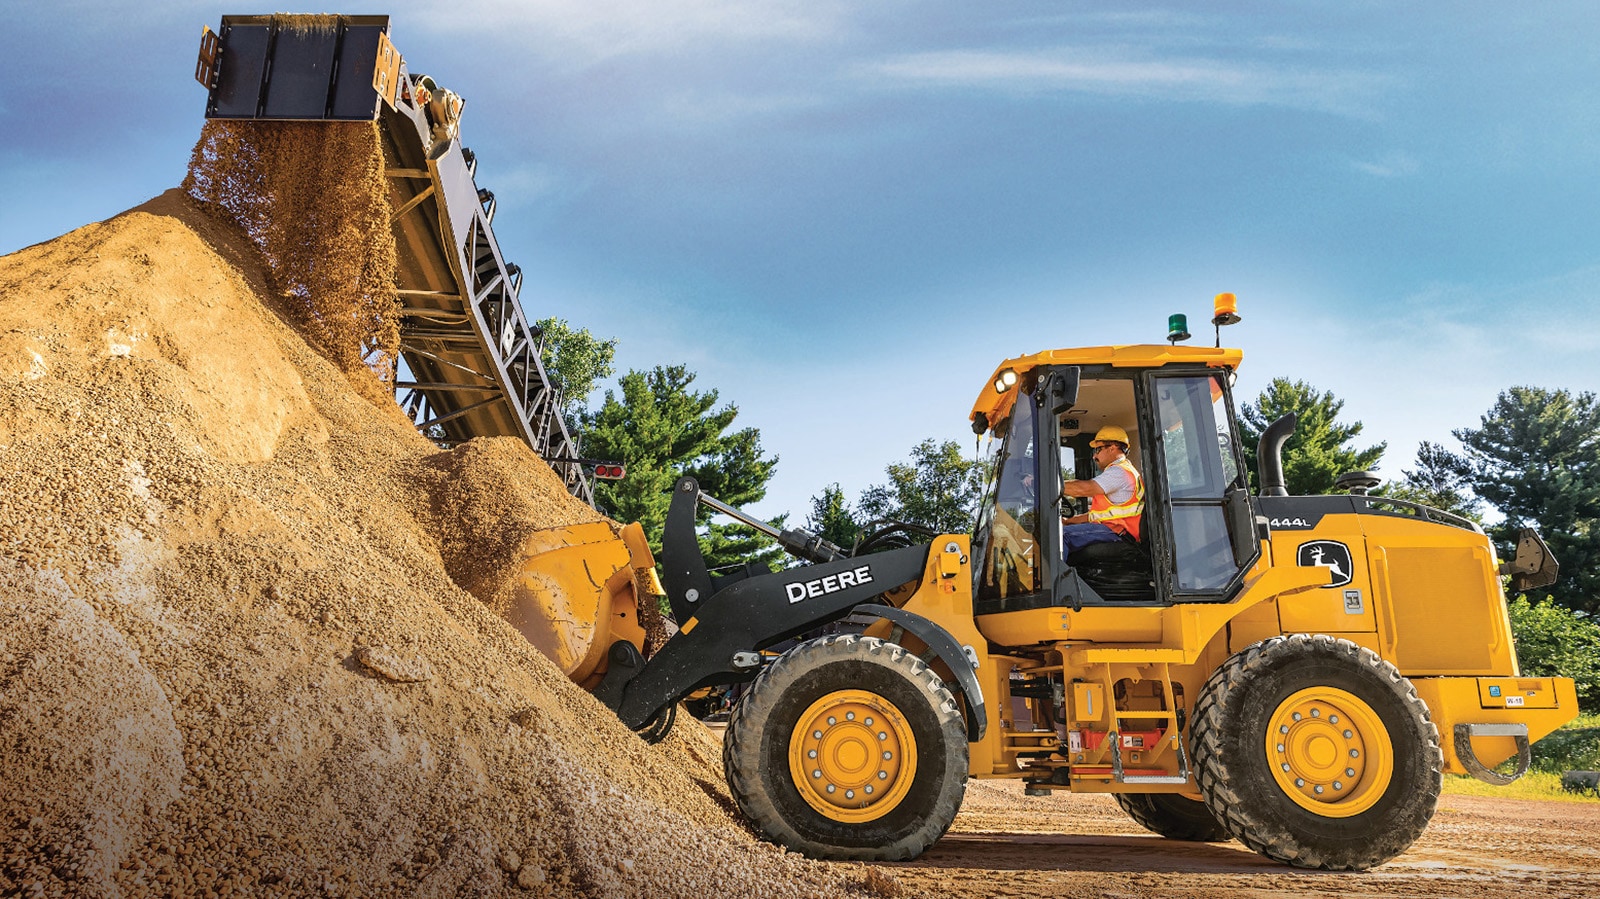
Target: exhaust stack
x: 1269, y: 456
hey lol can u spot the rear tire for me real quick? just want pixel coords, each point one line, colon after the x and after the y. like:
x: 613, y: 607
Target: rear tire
x: 1315, y: 752
x: 848, y: 747
x: 1173, y: 816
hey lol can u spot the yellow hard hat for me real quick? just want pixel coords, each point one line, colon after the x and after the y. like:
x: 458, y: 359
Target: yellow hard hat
x: 1110, y: 434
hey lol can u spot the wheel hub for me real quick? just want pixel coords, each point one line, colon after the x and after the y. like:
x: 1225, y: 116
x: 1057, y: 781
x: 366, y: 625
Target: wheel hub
x: 852, y: 756
x: 1329, y: 752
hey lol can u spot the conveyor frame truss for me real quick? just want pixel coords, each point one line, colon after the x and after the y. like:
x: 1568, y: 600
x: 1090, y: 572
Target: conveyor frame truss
x: 472, y: 362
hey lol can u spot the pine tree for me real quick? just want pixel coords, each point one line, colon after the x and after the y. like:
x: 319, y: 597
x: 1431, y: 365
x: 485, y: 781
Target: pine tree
x: 831, y: 518
x: 1318, y: 451
x: 1440, y: 482
x: 661, y: 429
x: 1536, y: 458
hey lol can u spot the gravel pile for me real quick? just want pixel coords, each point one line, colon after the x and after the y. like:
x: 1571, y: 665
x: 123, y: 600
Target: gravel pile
x: 233, y: 659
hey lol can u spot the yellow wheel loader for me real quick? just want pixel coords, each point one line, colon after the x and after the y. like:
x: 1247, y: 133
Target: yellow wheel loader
x: 1292, y: 672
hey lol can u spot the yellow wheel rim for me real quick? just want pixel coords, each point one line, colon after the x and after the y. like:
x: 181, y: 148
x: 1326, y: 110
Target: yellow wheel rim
x: 853, y: 756
x: 1330, y: 752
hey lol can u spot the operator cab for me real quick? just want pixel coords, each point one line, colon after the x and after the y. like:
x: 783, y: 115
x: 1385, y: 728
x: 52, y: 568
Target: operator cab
x: 1197, y: 529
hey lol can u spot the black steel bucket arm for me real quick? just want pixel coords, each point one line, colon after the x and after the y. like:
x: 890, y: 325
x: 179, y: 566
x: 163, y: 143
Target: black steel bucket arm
x: 683, y: 568
x: 720, y: 642
x: 684, y: 572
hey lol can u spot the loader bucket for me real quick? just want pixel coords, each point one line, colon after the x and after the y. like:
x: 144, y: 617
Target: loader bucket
x: 575, y: 594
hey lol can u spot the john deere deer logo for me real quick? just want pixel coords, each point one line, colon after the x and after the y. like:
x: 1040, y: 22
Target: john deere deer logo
x: 1329, y: 554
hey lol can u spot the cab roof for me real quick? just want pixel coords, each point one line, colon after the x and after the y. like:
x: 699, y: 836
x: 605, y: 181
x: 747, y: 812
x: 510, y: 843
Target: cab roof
x: 994, y: 405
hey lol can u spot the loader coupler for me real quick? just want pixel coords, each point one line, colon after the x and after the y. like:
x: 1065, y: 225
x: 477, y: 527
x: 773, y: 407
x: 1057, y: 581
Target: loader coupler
x: 298, y: 67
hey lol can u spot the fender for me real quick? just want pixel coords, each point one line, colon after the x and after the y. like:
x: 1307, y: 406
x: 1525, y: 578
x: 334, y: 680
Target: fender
x: 948, y: 651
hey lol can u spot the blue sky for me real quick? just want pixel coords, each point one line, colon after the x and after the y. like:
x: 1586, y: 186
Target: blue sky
x: 844, y: 215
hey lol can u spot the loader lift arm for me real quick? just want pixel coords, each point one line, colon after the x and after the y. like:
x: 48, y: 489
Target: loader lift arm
x: 747, y: 612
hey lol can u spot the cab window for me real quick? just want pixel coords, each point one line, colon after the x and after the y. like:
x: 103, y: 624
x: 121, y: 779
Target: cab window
x: 1200, y: 465
x: 1008, y: 524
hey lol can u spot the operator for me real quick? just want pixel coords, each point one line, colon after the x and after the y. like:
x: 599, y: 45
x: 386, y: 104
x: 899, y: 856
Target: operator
x: 1116, y: 496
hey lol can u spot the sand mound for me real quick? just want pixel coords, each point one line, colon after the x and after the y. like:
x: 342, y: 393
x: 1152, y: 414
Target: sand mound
x: 232, y: 656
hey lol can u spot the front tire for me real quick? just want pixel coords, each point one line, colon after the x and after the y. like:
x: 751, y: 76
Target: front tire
x: 848, y: 747
x: 1315, y: 752
x: 1173, y: 816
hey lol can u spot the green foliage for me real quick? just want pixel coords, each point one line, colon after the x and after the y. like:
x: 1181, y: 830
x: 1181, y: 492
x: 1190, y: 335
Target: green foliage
x: 1319, y: 449
x: 1536, y: 784
x: 938, y: 489
x: 1555, y: 641
x: 661, y: 429
x: 1439, y: 481
x: 1536, y: 458
x: 831, y: 518
x: 574, y: 360
x: 1574, y: 747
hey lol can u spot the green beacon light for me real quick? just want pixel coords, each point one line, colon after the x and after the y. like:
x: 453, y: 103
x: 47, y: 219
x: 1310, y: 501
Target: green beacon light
x: 1177, y: 327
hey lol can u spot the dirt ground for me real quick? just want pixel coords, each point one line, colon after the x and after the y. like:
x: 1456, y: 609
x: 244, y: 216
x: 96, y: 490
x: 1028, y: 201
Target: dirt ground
x: 1005, y: 844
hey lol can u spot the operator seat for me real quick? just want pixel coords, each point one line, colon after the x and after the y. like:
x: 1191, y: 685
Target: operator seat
x: 1119, y: 570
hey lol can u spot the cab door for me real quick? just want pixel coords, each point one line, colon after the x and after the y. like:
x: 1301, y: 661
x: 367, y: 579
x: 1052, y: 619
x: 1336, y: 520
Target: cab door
x: 1198, y: 490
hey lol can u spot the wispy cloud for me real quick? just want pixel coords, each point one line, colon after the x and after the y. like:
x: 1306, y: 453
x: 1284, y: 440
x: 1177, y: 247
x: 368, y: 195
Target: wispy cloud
x: 593, y: 30
x: 1129, y: 72
x: 1390, y: 165
x: 696, y: 108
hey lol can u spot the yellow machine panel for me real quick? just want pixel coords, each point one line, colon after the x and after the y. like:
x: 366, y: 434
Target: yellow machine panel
x: 1445, y: 612
x: 1346, y: 605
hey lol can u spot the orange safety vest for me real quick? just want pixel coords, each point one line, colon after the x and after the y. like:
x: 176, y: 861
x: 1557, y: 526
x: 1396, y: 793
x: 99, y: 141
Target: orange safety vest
x: 1120, y: 517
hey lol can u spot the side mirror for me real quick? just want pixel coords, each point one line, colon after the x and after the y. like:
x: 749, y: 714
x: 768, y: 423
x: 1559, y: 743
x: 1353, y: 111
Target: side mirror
x: 1061, y: 389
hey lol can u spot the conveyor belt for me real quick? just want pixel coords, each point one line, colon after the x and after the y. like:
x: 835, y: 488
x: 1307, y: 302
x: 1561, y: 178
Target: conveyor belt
x: 473, y: 358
